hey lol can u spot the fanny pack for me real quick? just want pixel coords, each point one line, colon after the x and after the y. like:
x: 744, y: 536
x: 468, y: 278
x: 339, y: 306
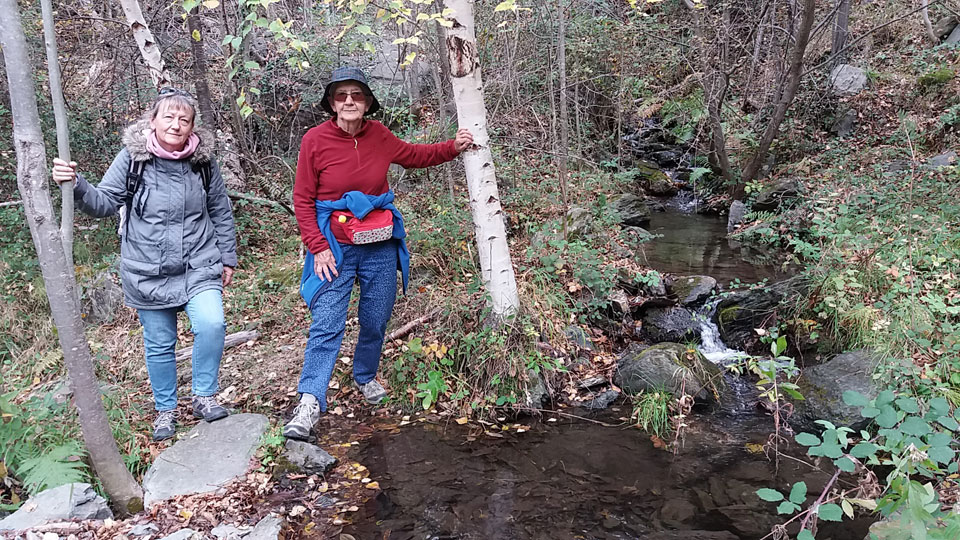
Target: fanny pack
x: 376, y: 227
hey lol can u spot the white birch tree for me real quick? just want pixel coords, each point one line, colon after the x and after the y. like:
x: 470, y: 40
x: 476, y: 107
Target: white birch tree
x: 147, y: 44
x: 495, y: 264
x: 58, y: 280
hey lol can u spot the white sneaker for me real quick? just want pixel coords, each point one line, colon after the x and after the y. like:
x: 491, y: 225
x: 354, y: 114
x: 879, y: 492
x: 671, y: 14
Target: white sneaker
x: 305, y: 416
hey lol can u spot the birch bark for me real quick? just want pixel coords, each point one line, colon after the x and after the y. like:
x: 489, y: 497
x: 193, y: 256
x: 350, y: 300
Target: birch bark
x: 495, y: 264
x: 146, y: 43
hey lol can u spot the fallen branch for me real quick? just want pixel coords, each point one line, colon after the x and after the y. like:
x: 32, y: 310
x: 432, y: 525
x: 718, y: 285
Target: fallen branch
x: 237, y: 195
x: 10, y: 203
x: 230, y: 341
x: 402, y: 332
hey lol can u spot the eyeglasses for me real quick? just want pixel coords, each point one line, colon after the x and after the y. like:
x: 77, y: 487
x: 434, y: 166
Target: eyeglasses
x: 358, y: 97
x: 167, y: 91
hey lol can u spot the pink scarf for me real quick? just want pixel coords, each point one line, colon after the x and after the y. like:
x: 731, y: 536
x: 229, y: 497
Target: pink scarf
x: 153, y: 146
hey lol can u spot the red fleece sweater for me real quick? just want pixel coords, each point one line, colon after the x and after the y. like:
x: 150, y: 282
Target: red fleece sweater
x: 332, y: 162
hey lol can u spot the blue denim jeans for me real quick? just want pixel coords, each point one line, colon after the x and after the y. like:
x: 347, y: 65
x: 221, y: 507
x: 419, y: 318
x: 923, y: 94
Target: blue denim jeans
x: 205, y: 310
x: 374, y: 266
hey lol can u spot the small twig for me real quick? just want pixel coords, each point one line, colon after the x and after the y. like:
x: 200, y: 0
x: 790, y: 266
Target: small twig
x: 568, y: 415
x: 826, y: 489
x: 407, y: 328
x: 10, y: 203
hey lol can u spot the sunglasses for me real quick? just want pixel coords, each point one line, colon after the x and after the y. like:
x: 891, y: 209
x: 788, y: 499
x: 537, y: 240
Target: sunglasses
x: 171, y: 91
x: 358, y: 97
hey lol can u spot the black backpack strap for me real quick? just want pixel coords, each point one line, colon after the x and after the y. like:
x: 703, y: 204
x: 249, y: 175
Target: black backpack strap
x: 134, y: 181
x: 206, y: 173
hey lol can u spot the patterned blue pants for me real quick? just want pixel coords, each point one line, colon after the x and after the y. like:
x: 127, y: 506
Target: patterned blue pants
x: 374, y: 267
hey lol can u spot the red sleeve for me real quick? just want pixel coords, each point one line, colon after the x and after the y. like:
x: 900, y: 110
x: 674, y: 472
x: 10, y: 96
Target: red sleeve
x: 305, y: 196
x: 415, y: 156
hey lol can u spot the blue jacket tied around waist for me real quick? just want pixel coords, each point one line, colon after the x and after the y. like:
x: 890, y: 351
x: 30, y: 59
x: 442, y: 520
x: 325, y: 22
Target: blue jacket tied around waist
x: 359, y: 204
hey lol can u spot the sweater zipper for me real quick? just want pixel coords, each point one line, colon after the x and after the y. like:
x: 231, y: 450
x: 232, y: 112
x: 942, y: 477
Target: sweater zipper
x: 356, y: 150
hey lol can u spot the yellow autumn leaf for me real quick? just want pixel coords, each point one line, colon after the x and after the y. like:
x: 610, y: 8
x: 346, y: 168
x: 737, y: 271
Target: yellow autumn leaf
x: 462, y: 420
x: 373, y: 485
x: 196, y: 35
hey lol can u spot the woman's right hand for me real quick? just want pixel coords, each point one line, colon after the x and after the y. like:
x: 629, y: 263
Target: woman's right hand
x: 325, y: 265
x: 63, y: 171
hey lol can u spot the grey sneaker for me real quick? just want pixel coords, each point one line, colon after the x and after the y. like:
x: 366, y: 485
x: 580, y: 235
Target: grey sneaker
x: 372, y: 391
x: 165, y: 426
x: 305, y: 416
x: 206, y: 407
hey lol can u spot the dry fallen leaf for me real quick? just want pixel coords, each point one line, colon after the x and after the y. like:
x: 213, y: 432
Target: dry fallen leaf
x: 462, y: 420
x: 373, y: 485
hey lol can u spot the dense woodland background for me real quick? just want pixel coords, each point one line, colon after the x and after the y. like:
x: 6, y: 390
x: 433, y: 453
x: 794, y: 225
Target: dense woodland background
x: 743, y: 87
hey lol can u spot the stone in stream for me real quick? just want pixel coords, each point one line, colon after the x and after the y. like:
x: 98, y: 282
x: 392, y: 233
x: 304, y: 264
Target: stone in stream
x: 739, y: 312
x: 737, y: 211
x: 602, y: 400
x: 210, y: 456
x: 665, y: 365
x: 631, y: 209
x: 654, y: 180
x: 69, y: 501
x: 309, y: 457
x: 691, y: 290
x: 671, y: 324
x: 847, y: 80
x: 823, y: 386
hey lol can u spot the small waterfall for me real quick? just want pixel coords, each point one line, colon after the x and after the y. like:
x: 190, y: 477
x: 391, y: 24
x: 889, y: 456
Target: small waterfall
x: 711, y: 346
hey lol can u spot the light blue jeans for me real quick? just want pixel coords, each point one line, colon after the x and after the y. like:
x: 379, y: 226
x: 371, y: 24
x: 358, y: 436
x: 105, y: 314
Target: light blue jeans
x: 374, y: 267
x: 205, y: 310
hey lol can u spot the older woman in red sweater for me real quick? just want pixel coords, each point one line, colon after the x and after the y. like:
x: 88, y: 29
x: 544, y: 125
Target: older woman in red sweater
x: 353, y: 233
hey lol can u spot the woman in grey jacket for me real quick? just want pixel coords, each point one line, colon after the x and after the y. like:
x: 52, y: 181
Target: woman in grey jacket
x: 178, y: 247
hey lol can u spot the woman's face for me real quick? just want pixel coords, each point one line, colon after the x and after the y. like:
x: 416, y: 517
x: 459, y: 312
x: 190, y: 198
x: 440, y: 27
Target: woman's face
x: 354, y: 103
x: 173, y: 126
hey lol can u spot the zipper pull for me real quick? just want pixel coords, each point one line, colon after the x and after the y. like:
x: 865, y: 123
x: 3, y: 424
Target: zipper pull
x: 355, y: 144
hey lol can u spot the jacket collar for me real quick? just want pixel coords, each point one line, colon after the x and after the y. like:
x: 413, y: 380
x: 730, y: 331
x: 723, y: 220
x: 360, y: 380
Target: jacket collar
x: 135, y: 139
x: 339, y: 132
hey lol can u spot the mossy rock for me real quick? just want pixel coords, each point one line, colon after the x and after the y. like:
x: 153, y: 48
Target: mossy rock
x: 936, y: 78
x: 654, y: 180
x: 670, y: 366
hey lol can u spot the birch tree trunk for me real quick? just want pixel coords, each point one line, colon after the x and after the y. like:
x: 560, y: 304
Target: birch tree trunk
x: 63, y: 129
x: 148, y: 46
x: 495, y: 264
x: 32, y: 182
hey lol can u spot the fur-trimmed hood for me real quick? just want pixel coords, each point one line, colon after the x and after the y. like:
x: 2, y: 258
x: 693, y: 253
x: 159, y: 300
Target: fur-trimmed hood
x: 135, y: 139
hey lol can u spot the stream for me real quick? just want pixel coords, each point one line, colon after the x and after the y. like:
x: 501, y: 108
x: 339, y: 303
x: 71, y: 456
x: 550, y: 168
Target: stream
x: 590, y: 474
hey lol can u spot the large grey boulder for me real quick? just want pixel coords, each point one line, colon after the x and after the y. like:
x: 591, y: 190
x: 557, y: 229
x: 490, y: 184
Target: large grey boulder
x: 692, y: 290
x: 666, y: 365
x: 631, y: 209
x: 69, y: 501
x: 847, y: 80
x: 210, y: 456
x: 944, y: 26
x: 671, y: 324
x: 823, y: 386
x: 774, y: 194
x: 737, y: 211
x: 739, y: 312
x: 309, y: 457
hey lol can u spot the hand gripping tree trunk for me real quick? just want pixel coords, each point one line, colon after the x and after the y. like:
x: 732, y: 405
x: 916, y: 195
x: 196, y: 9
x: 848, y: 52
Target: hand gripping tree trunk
x: 495, y: 264
x: 32, y: 181
x: 148, y: 45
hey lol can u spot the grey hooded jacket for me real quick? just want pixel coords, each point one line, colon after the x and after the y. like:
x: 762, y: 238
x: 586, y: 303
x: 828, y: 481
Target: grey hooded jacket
x: 179, y: 237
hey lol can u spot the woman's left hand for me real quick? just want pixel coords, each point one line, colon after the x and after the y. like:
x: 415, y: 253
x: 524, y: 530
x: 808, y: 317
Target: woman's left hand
x: 463, y: 139
x: 227, y: 276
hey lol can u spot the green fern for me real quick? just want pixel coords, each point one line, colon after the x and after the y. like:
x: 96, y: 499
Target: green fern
x: 61, y: 465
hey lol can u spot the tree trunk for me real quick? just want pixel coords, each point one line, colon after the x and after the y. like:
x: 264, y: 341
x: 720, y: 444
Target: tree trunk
x: 63, y: 129
x: 494, y: 252
x: 925, y: 15
x: 200, y: 69
x: 786, y: 99
x: 146, y: 43
x: 840, y: 30
x: 32, y: 182
x: 564, y: 116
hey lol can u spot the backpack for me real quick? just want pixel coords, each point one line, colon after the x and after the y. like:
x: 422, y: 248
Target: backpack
x: 135, y: 180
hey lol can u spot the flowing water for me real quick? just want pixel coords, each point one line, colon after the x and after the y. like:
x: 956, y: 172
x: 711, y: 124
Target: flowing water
x: 567, y: 476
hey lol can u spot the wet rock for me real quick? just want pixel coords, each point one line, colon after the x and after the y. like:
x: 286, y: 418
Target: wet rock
x: 847, y: 80
x: 631, y: 209
x: 103, y: 299
x: 739, y: 312
x: 537, y: 394
x: 309, y: 457
x: 665, y: 365
x: 602, y: 400
x: 843, y: 125
x: 676, y: 511
x: 654, y: 180
x: 143, y: 529
x: 750, y: 522
x: 667, y: 158
x: 184, y: 534
x: 670, y: 324
x: 737, y: 210
x: 944, y: 26
x: 946, y: 159
x: 190, y: 467
x: 773, y: 195
x: 823, y: 386
x: 69, y: 501
x: 267, y: 529
x: 691, y: 290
